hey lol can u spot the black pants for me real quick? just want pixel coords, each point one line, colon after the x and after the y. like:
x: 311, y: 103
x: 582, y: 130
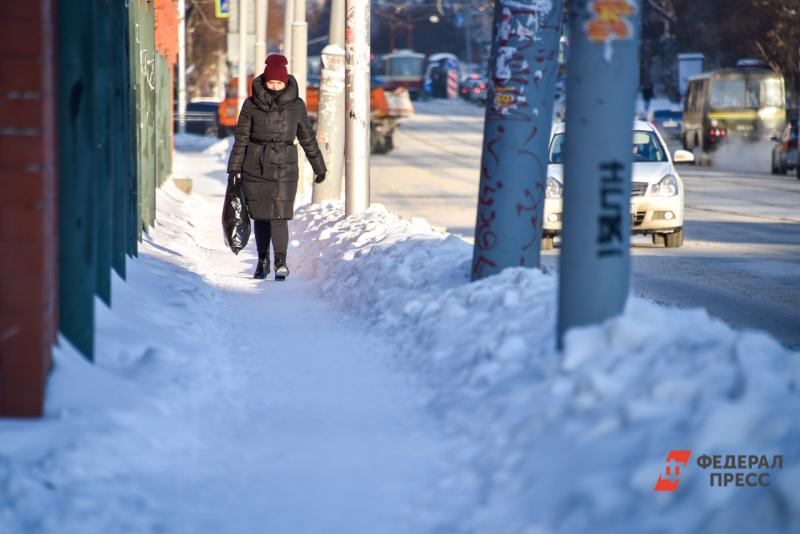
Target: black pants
x: 278, y: 232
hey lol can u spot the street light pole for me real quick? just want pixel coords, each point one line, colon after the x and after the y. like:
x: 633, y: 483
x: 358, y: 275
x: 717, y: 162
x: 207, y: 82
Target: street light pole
x: 288, y: 19
x: 182, y: 66
x: 300, y: 71
x: 242, y: 75
x: 602, y: 81
x: 330, y: 116
x: 357, y: 109
x: 260, y: 49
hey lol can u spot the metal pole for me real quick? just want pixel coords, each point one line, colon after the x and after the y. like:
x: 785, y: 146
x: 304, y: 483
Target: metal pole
x: 260, y: 50
x: 516, y: 135
x: 601, y: 89
x: 357, y: 112
x: 468, y: 35
x: 288, y: 19
x: 300, y: 71
x: 330, y: 116
x: 182, y: 66
x: 242, y: 75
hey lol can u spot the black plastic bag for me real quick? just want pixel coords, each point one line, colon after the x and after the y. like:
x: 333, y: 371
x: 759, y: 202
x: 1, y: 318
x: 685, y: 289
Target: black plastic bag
x: 235, y: 219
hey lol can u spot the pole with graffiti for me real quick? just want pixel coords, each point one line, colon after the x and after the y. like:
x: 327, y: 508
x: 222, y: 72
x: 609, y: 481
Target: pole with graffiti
x: 524, y: 67
x: 602, y: 80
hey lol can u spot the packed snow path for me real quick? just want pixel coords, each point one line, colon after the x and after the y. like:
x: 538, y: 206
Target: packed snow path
x: 332, y: 437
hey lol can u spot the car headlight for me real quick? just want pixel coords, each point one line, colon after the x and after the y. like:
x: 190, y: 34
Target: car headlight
x: 667, y: 187
x: 554, y: 188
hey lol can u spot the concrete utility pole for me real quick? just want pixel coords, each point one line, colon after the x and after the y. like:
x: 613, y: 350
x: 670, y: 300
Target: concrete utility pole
x: 330, y: 116
x: 300, y: 71
x: 357, y: 111
x: 601, y: 90
x: 516, y: 135
x: 260, y: 49
x: 288, y: 19
x: 242, y: 76
x: 182, y: 66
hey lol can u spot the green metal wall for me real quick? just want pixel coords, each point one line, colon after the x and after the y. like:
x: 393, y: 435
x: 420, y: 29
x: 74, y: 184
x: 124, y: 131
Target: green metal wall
x: 115, y: 143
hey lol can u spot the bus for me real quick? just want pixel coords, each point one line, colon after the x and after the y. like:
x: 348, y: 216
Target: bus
x: 746, y: 103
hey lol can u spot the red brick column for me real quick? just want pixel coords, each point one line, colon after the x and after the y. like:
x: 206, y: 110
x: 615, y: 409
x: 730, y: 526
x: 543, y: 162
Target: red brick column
x: 28, y: 232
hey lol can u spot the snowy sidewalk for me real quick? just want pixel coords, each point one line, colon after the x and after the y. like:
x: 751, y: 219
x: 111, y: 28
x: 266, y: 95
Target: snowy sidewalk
x: 220, y: 403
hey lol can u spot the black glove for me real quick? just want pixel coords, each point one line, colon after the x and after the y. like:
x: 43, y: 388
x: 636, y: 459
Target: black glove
x: 319, y: 178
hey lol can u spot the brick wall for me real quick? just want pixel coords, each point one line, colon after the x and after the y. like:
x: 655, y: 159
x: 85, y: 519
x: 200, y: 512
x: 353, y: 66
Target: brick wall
x: 28, y: 233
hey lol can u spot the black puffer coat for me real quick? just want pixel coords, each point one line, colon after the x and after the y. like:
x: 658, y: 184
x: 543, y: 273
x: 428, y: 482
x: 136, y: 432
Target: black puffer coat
x: 264, y: 154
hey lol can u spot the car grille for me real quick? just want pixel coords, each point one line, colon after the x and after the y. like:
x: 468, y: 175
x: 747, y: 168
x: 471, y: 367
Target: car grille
x: 638, y: 189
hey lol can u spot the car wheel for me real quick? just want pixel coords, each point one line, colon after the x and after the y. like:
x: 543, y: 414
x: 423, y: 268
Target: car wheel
x: 674, y: 240
x: 774, y: 166
x: 378, y: 145
x: 547, y: 243
x: 658, y: 240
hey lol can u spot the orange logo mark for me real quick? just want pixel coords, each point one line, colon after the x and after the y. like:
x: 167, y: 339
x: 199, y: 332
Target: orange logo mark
x: 670, y: 480
x: 608, y: 21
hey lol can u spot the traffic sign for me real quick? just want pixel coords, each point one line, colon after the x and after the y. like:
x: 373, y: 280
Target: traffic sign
x: 222, y: 8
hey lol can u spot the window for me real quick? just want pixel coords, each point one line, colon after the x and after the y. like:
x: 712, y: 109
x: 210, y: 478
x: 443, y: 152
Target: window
x: 409, y: 66
x: 771, y: 94
x: 646, y: 148
x: 730, y: 93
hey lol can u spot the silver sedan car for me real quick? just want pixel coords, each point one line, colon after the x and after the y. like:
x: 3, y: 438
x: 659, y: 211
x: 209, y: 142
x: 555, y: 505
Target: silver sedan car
x: 656, y: 188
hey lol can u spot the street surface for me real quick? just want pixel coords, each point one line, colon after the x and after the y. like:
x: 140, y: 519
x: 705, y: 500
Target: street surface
x: 740, y: 260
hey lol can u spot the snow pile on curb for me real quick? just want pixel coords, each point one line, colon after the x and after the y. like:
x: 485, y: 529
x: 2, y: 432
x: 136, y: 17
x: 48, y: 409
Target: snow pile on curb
x: 570, y: 441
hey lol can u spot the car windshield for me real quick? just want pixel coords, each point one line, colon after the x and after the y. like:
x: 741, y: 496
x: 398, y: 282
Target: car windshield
x: 646, y: 148
x: 406, y: 66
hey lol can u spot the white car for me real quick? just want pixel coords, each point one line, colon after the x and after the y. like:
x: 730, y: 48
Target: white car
x: 656, y: 188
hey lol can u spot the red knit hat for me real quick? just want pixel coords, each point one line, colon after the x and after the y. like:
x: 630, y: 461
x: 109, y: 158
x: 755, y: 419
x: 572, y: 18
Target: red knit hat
x: 276, y: 68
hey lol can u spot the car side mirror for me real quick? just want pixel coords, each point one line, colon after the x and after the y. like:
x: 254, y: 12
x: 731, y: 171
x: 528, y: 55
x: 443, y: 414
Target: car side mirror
x: 775, y: 139
x: 683, y: 157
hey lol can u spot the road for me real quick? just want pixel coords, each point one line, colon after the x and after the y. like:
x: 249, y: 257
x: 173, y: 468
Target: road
x: 740, y: 260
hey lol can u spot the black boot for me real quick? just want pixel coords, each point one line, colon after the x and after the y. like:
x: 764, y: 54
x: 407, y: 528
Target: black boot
x: 281, y: 270
x: 262, y: 269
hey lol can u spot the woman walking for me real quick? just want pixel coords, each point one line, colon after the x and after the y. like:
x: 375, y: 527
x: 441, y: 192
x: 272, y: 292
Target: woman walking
x: 265, y: 157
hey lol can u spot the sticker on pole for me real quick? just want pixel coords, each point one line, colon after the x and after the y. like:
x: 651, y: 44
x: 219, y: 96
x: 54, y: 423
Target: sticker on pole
x: 222, y: 9
x: 609, y: 23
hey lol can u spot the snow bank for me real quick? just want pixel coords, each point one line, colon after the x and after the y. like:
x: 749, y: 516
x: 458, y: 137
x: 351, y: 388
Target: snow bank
x: 572, y: 441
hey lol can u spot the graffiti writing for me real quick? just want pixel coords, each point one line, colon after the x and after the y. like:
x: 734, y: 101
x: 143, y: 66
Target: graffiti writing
x: 511, y: 194
x: 610, y: 223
